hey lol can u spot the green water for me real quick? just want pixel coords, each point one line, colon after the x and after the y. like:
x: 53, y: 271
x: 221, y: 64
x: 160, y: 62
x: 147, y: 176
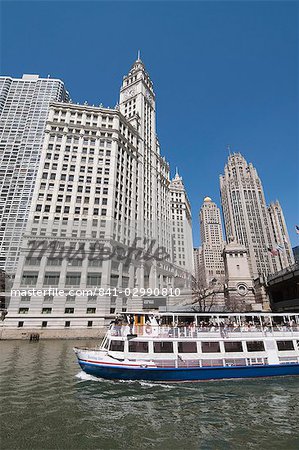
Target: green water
x: 46, y: 402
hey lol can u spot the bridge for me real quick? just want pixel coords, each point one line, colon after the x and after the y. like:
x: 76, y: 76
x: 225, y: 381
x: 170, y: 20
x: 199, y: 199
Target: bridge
x: 283, y: 289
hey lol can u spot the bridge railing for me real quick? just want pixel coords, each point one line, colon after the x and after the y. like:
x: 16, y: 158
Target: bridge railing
x: 282, y: 272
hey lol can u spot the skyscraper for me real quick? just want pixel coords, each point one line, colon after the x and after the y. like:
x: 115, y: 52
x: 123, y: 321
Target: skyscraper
x: 181, y: 224
x: 212, y: 243
x: 197, y: 258
x: 24, y: 107
x: 102, y: 184
x: 245, y: 214
x: 281, y: 235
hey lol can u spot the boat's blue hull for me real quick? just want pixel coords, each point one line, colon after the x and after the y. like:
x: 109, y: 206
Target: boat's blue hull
x: 186, y: 374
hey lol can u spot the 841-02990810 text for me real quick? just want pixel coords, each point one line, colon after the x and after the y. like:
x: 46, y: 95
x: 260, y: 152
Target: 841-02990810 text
x: 138, y: 292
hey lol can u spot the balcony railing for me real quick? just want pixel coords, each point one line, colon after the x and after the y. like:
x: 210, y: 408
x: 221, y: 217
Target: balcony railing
x: 201, y: 332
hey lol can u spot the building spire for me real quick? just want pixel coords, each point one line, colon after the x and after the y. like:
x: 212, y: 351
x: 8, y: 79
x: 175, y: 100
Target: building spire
x: 138, y: 56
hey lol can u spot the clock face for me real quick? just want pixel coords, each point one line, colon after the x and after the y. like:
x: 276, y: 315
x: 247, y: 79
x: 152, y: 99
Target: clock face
x: 129, y: 92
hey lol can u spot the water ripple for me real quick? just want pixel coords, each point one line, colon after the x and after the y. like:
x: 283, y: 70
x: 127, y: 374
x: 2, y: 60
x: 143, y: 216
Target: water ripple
x: 47, y: 403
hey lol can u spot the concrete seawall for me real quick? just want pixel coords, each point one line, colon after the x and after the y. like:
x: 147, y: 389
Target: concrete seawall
x: 47, y: 333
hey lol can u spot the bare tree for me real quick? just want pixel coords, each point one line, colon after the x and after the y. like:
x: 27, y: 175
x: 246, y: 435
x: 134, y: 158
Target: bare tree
x: 203, y: 297
x: 235, y: 303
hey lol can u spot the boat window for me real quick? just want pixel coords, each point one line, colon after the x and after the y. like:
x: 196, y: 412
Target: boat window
x: 235, y: 362
x: 255, y: 346
x: 116, y: 346
x: 163, y: 347
x: 105, y: 344
x: 187, y: 347
x: 210, y: 347
x: 285, y: 345
x: 137, y: 346
x: 211, y: 362
x: 233, y: 346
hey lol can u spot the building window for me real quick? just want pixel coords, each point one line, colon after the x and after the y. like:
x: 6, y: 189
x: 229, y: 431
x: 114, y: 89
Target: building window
x: 72, y: 279
x: 46, y: 310
x: 23, y: 310
x: 20, y: 324
x: 44, y: 324
x: 67, y: 324
x: 33, y: 261
x: 91, y: 310
x: 75, y: 262
x: 54, y: 261
x: 69, y: 310
x: 25, y: 298
x: 95, y: 263
x: 29, y: 278
x: 89, y: 324
x: 51, y: 278
x: 70, y: 298
x: 94, y: 279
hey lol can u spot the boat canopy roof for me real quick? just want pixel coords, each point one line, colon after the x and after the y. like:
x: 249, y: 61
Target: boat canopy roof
x: 210, y: 314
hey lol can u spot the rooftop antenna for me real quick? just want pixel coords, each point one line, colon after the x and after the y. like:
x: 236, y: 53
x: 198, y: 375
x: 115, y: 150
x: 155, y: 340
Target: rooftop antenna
x: 138, y: 55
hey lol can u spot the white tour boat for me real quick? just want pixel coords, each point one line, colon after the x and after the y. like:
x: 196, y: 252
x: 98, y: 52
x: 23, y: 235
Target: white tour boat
x: 195, y: 347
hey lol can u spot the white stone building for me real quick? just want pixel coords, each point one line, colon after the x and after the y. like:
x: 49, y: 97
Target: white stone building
x: 245, y: 214
x: 24, y: 108
x: 102, y: 188
x: 181, y: 225
x: 238, y: 288
x: 212, y: 243
x: 281, y: 235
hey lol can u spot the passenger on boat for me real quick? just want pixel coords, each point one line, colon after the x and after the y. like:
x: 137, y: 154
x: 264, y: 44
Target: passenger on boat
x: 131, y: 322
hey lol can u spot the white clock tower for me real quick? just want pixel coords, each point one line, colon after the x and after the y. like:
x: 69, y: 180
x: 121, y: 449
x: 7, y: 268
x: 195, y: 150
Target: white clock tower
x: 137, y: 104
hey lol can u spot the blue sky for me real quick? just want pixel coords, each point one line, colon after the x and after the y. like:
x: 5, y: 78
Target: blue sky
x: 225, y: 73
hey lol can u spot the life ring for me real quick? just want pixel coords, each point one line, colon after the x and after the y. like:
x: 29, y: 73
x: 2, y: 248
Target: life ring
x: 148, y: 329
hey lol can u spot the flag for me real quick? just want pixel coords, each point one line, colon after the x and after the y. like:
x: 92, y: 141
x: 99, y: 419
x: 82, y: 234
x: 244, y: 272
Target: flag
x: 297, y: 229
x: 273, y: 251
x: 280, y: 247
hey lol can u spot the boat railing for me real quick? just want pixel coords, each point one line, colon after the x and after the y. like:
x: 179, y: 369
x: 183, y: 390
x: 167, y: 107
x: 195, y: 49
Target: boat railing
x: 189, y: 332
x: 220, y: 362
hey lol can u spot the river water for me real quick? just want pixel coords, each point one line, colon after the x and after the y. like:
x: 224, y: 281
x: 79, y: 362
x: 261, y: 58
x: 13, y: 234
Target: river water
x: 47, y: 402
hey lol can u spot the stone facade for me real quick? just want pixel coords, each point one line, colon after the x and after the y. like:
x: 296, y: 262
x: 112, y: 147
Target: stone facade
x: 102, y: 187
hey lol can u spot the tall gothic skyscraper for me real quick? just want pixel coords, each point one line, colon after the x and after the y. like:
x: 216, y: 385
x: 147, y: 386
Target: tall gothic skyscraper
x: 211, y: 242
x: 281, y: 235
x: 245, y: 214
x: 24, y: 108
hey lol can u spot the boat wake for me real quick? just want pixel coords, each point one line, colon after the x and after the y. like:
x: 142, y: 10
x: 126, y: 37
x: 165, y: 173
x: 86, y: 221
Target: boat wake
x: 82, y: 376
